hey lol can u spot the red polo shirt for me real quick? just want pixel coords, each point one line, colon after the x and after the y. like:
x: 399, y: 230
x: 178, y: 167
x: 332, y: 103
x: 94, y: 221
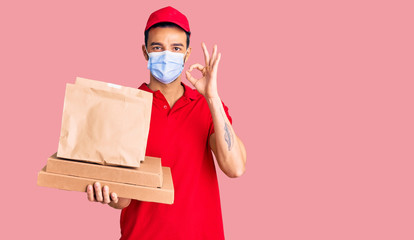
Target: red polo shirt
x: 180, y: 137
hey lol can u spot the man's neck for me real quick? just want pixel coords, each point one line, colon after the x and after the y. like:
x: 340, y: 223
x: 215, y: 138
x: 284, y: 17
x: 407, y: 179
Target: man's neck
x: 172, y: 91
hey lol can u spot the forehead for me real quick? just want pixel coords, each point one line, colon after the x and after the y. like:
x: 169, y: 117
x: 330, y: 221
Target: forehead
x: 167, y: 35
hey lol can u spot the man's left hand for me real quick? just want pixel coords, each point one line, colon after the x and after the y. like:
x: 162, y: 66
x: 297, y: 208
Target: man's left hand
x: 207, y: 84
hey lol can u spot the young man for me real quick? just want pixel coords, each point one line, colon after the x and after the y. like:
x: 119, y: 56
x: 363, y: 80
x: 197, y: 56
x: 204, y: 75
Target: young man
x: 187, y: 125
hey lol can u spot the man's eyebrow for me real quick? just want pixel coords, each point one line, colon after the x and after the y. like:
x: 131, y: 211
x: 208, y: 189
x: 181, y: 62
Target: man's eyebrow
x: 174, y: 44
x: 178, y: 44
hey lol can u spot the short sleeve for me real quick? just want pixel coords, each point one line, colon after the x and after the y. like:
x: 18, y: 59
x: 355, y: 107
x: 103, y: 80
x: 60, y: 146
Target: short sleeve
x: 226, y: 110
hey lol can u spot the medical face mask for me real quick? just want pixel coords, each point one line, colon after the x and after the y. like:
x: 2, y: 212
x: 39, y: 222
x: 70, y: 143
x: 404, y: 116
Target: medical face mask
x: 166, y: 66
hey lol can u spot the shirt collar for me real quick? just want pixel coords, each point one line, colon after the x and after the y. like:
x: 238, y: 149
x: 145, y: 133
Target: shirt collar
x: 188, y: 92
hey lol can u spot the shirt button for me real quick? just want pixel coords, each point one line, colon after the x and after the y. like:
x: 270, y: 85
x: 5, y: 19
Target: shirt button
x: 165, y: 107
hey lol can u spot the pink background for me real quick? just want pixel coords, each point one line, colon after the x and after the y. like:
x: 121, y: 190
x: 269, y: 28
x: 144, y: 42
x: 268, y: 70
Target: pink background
x: 321, y: 93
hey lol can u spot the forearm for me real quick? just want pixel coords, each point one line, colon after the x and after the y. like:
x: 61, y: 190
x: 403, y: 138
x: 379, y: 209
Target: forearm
x: 229, y: 150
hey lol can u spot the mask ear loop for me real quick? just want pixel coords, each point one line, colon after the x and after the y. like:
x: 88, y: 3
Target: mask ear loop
x: 184, y: 56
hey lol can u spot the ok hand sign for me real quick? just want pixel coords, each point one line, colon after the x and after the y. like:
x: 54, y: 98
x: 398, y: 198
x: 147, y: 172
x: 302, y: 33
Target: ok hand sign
x: 207, y: 84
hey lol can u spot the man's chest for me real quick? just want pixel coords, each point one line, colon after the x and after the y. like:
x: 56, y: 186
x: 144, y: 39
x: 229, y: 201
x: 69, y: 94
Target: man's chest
x: 175, y: 132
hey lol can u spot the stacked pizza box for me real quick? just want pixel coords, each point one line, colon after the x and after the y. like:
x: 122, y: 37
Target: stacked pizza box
x: 103, y: 139
x: 149, y: 182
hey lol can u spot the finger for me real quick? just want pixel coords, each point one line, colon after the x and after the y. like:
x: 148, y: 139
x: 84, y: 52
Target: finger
x: 89, y: 191
x: 98, y: 192
x: 198, y: 66
x: 114, y: 197
x: 106, y: 198
x: 216, y: 63
x: 190, y: 78
x: 206, y: 55
x: 214, y: 56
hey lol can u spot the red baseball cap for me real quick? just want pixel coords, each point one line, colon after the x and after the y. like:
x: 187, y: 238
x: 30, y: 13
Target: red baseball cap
x: 168, y: 14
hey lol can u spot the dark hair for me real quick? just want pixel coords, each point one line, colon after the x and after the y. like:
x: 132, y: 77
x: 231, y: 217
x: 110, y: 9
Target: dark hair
x: 166, y: 24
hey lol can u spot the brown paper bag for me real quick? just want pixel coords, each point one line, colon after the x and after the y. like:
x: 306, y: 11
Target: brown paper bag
x: 116, y: 88
x: 105, y: 123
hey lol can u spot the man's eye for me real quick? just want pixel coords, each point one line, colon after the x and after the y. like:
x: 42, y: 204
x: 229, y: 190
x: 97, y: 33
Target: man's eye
x: 177, y: 49
x: 156, y: 48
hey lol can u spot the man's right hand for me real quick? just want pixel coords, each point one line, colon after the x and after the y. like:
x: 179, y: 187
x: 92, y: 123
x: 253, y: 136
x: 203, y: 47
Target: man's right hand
x: 96, y: 193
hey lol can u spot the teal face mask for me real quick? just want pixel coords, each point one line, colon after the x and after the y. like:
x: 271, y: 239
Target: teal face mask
x: 166, y: 66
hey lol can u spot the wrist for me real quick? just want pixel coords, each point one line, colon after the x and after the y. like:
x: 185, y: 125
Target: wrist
x: 212, y: 100
x: 212, y: 97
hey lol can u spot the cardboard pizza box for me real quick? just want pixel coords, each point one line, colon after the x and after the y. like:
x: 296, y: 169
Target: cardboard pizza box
x: 164, y: 194
x: 148, y: 174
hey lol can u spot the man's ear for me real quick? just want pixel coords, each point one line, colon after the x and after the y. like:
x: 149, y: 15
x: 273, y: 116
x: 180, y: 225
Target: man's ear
x: 187, y: 55
x: 144, y: 52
